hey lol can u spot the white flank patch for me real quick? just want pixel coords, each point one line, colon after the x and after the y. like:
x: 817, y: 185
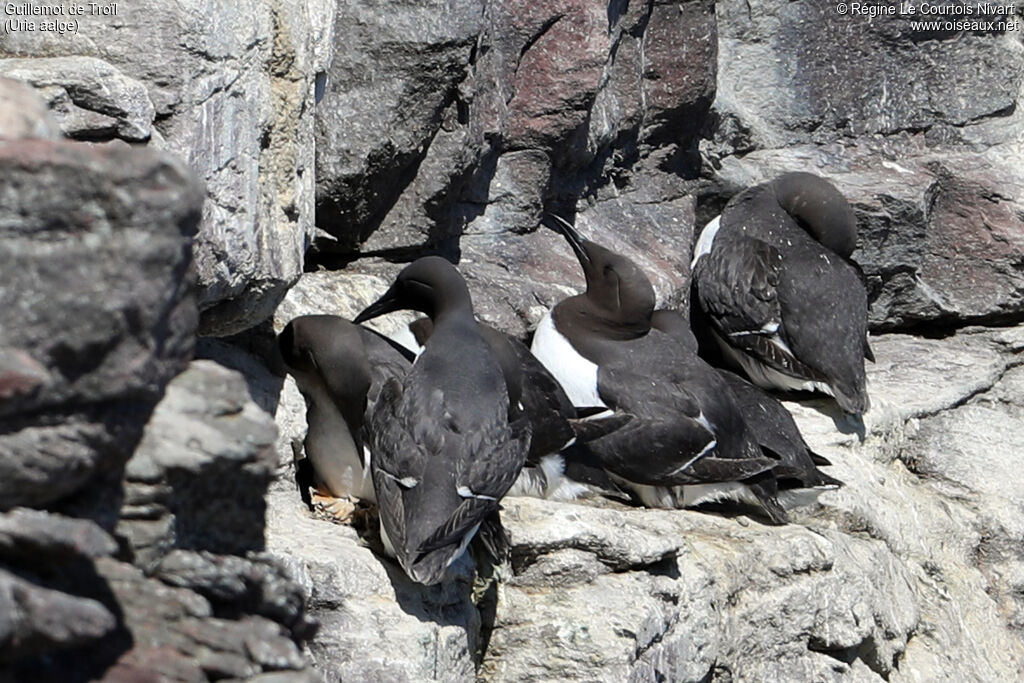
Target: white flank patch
x: 465, y: 492
x: 547, y: 481
x: 576, y: 374
x: 558, y: 486
x: 768, y: 377
x: 463, y: 544
x: 706, y: 239
x: 717, y: 493
x: 389, y: 547
x: 404, y: 337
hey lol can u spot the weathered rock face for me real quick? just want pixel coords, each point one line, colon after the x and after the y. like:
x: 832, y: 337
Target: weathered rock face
x: 793, y: 73
x: 910, y: 572
x: 183, y: 602
x: 919, y: 129
x: 97, y: 314
x: 482, y: 116
x: 229, y: 87
x: 197, y: 478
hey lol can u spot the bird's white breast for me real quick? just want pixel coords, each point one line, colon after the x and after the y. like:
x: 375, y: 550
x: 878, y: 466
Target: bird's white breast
x: 332, y: 451
x: 576, y: 374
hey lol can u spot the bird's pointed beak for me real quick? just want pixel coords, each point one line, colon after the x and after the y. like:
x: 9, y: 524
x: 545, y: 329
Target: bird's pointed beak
x: 389, y: 302
x: 573, y: 238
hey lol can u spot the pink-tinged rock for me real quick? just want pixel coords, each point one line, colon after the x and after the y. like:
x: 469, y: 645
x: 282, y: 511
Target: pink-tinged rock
x: 97, y: 289
x: 559, y: 69
x: 20, y: 374
x: 679, y: 67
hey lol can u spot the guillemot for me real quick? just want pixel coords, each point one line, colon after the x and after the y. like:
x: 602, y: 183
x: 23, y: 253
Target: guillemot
x: 687, y: 442
x: 444, y: 448
x: 798, y: 478
x: 554, y: 470
x: 339, y: 368
x: 786, y: 305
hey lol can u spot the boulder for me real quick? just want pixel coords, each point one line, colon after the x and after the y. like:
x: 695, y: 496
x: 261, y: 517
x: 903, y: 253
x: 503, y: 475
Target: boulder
x: 198, y: 477
x: 90, y: 98
x: 909, y: 572
x: 388, y: 109
x: 940, y: 232
x: 228, y: 87
x: 97, y: 310
x: 193, y: 596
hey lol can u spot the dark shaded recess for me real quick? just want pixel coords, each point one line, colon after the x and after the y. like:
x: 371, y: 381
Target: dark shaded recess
x: 354, y: 209
x: 77, y: 577
x: 866, y: 651
x: 199, y: 511
x: 667, y: 567
x: 616, y: 9
x: 259, y: 341
x: 486, y: 601
x: 947, y: 325
x: 680, y: 126
x: 473, y: 188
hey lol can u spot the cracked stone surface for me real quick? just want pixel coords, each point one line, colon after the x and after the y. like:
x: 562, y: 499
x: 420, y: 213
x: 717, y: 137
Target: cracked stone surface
x: 910, y: 572
x: 231, y: 88
x: 453, y: 128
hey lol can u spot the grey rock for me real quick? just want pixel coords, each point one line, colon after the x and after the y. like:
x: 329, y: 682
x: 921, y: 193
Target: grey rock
x: 23, y: 114
x: 396, y: 69
x: 34, y: 619
x: 96, y: 293
x: 175, y: 636
x: 199, y: 474
x: 258, y: 585
x: 33, y: 534
x: 375, y: 624
x: 940, y: 231
x: 90, y: 98
x: 793, y: 73
x: 233, y: 90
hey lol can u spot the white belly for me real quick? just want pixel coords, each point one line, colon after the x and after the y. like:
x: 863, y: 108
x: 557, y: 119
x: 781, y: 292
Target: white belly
x: 675, y: 497
x: 766, y: 376
x: 547, y: 480
x: 576, y: 374
x: 331, y: 449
